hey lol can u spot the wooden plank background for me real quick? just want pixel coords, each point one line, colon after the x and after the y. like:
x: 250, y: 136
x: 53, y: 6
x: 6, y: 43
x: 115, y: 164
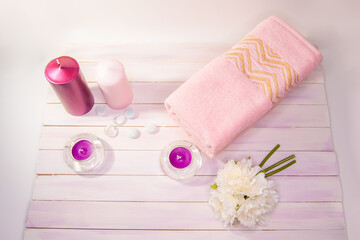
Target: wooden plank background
x: 129, y: 197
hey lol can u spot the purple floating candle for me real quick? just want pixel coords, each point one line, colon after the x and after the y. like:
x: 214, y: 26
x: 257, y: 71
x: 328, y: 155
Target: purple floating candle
x: 82, y: 150
x: 180, y: 160
x: 180, y: 157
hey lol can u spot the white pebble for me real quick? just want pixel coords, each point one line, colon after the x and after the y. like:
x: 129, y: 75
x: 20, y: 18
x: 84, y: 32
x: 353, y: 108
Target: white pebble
x: 119, y: 120
x: 130, y: 113
x: 151, y: 128
x: 133, y: 133
x: 100, y: 110
x: 111, y: 130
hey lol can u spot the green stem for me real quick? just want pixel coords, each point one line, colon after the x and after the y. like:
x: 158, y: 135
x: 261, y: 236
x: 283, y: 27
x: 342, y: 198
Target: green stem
x: 269, y: 155
x: 280, y: 169
x: 278, y: 163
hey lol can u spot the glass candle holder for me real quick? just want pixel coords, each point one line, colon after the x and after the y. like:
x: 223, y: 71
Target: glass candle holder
x: 84, y: 152
x: 180, y: 160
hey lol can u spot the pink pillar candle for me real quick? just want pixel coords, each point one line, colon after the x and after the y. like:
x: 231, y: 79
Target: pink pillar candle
x: 65, y: 77
x: 111, y: 78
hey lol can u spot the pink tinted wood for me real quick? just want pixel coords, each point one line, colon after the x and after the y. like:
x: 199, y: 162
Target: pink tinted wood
x: 72, y: 234
x: 162, y: 188
x: 147, y: 162
x: 294, y: 139
x: 310, y: 192
x: 281, y: 116
x: 152, y: 215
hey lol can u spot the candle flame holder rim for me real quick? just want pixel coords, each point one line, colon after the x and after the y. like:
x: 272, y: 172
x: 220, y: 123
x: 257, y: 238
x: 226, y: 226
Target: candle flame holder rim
x: 92, y: 162
x: 187, y: 172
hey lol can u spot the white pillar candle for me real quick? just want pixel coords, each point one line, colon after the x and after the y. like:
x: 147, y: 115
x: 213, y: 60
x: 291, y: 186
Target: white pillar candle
x: 111, y: 78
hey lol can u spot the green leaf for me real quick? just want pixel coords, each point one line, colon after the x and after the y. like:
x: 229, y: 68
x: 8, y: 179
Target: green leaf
x: 235, y: 162
x: 269, y: 155
x: 214, y: 186
x: 280, y: 169
x: 278, y: 163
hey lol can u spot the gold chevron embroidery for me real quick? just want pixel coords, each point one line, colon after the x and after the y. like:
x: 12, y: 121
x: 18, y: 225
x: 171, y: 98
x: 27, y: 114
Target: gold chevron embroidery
x: 257, y: 71
x: 240, y: 58
x: 285, y: 64
x: 296, y: 76
x: 260, y: 80
x: 261, y: 51
x: 255, y: 51
x: 287, y: 85
x: 268, y: 85
x: 262, y: 87
x: 272, y: 54
x: 235, y: 59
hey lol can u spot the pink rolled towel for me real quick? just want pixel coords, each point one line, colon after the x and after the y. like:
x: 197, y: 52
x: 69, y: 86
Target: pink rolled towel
x: 235, y: 90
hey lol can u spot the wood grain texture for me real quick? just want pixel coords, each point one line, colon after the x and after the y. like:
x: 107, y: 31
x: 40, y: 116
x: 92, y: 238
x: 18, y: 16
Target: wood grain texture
x: 144, y: 93
x: 281, y: 116
x: 74, y: 234
x: 162, y: 188
x: 153, y: 215
x: 129, y: 197
x: 147, y: 163
x: 291, y: 139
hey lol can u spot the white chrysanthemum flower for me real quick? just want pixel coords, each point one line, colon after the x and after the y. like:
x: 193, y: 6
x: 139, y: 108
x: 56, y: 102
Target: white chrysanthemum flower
x: 242, y: 194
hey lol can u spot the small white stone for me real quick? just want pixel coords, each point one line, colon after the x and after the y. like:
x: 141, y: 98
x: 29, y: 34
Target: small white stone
x: 119, y: 120
x: 133, y: 133
x: 111, y: 130
x: 100, y: 110
x: 151, y: 128
x: 130, y: 113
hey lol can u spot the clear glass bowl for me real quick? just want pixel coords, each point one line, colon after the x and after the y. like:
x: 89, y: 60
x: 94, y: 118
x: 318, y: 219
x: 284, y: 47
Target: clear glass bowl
x: 91, y: 162
x: 180, y: 173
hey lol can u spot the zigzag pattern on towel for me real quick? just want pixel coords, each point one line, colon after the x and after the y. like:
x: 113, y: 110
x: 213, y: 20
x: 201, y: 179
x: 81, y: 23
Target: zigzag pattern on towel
x: 264, y: 67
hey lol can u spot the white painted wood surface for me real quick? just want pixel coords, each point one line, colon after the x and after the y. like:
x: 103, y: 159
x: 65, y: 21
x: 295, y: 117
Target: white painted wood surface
x: 174, y: 215
x: 146, y: 163
x: 72, y: 234
x: 303, y: 94
x: 162, y: 188
x: 281, y: 116
x: 129, y: 197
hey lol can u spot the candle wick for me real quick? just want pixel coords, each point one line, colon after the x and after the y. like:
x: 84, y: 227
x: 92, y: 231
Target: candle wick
x: 58, y: 62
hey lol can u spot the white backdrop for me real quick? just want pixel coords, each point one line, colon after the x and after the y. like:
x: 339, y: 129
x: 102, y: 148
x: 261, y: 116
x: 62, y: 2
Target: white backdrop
x: 31, y: 32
